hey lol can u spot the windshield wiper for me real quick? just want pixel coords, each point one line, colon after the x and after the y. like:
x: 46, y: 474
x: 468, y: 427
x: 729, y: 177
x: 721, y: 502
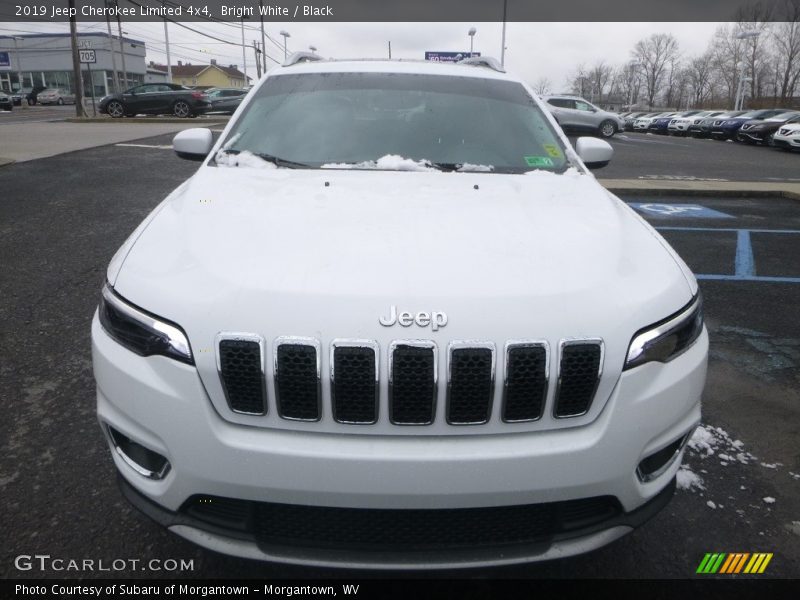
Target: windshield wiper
x: 276, y: 160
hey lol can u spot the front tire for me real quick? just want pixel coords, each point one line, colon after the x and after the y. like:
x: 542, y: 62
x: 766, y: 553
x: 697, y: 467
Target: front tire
x: 181, y: 109
x: 115, y: 109
x: 607, y: 129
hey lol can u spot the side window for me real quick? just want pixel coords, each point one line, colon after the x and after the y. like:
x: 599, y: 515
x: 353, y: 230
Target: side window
x: 559, y: 102
x: 583, y: 106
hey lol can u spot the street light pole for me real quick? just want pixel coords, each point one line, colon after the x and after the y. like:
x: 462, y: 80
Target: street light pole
x: 739, y: 100
x: 285, y: 35
x: 471, y: 33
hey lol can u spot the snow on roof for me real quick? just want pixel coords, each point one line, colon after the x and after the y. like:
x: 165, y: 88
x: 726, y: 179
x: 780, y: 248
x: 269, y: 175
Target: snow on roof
x: 421, y: 67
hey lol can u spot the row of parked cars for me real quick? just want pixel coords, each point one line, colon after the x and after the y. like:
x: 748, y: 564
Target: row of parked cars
x: 172, y: 99
x: 778, y: 127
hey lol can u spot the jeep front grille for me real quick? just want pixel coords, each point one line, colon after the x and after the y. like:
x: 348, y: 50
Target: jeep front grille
x: 352, y: 394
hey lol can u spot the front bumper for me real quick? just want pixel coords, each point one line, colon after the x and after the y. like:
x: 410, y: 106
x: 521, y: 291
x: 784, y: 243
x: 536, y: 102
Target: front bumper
x: 162, y: 405
x: 786, y: 142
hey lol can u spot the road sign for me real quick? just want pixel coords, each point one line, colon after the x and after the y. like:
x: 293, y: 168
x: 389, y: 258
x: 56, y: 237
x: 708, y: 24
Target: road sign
x: 87, y: 56
x: 5, y: 61
x: 448, y: 56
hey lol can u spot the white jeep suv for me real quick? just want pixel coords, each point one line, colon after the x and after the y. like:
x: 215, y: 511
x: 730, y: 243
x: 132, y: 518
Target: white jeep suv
x: 393, y: 321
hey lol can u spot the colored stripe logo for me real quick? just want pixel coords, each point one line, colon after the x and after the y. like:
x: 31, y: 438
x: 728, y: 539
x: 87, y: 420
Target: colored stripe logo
x: 734, y: 563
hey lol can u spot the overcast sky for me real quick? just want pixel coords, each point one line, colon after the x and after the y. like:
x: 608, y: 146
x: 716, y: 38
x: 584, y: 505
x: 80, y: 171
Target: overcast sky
x: 534, y: 50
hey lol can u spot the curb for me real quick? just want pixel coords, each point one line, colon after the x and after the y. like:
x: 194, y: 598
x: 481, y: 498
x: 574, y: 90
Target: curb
x: 732, y: 189
x: 149, y: 121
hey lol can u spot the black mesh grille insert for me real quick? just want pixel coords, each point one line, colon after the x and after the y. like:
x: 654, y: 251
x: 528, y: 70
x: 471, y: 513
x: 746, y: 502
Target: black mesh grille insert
x: 402, y: 530
x: 297, y: 382
x: 526, y: 383
x: 240, y: 365
x: 413, y: 387
x: 470, y: 387
x: 580, y: 365
x: 355, y: 394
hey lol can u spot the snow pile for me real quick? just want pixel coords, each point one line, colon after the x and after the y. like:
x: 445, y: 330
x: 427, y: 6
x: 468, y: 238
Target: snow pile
x: 769, y: 500
x: 688, y: 479
x: 389, y: 162
x: 242, y: 159
x: 469, y: 167
x: 711, y: 504
x: 708, y: 441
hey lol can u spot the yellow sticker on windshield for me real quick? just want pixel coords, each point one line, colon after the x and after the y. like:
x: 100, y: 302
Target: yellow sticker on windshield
x: 539, y: 161
x: 552, y: 150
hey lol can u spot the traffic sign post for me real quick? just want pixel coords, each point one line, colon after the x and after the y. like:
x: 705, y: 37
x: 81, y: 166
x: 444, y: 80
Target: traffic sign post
x: 88, y: 57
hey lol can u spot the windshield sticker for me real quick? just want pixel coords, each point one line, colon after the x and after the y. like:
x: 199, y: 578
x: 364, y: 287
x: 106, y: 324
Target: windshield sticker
x: 539, y: 161
x: 552, y: 150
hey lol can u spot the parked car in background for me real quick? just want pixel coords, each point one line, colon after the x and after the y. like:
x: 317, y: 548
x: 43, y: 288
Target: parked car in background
x: 760, y: 131
x: 156, y: 99
x: 17, y: 96
x: 5, y: 102
x: 576, y: 115
x: 32, y: 93
x: 661, y: 124
x: 225, y: 100
x: 681, y: 125
x: 630, y: 118
x: 787, y: 137
x: 726, y: 130
x: 56, y: 96
x: 703, y: 129
x: 643, y: 123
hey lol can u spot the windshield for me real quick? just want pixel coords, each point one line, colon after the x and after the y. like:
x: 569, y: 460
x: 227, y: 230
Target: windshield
x: 354, y: 120
x: 784, y: 116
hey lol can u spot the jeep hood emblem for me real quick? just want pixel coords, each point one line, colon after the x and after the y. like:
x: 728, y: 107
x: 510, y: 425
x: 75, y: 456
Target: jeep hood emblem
x: 435, y: 319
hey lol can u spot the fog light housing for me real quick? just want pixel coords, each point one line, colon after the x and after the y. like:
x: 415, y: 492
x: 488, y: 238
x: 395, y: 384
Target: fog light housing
x: 656, y: 464
x: 144, y: 461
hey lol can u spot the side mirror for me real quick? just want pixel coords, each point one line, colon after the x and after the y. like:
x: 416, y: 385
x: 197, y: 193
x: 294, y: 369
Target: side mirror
x: 594, y: 153
x: 193, y: 144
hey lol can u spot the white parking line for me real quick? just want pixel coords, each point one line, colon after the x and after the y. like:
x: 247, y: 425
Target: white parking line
x: 160, y: 147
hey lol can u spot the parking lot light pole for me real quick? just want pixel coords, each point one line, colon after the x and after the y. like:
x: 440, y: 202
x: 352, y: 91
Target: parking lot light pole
x: 739, y: 100
x: 285, y: 35
x: 471, y: 33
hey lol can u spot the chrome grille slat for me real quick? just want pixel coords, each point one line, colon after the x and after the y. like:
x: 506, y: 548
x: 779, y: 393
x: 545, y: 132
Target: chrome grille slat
x: 240, y: 364
x: 470, y: 382
x: 354, y: 381
x: 413, y: 368
x: 579, y: 372
x: 527, y: 368
x: 297, y: 378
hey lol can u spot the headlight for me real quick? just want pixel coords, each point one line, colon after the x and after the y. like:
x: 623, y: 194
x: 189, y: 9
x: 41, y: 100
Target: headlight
x: 141, y: 332
x: 669, y: 338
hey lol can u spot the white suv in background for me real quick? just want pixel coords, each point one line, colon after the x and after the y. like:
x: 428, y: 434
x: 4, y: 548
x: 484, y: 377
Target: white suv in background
x: 787, y: 137
x: 576, y: 115
x: 395, y: 322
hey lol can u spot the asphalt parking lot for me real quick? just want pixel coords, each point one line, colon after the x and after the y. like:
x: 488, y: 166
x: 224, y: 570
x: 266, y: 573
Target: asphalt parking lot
x: 739, y: 490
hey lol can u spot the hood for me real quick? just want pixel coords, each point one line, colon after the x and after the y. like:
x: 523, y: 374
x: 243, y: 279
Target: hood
x: 326, y: 253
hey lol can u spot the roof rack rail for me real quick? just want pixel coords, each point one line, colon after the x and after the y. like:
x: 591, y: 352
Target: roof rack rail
x: 483, y: 61
x: 298, y: 57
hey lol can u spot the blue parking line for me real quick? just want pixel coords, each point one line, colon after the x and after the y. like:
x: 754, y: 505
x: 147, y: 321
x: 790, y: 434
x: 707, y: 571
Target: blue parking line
x: 744, y: 263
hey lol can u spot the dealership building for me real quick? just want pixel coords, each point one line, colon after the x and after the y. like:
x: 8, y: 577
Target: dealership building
x: 46, y: 60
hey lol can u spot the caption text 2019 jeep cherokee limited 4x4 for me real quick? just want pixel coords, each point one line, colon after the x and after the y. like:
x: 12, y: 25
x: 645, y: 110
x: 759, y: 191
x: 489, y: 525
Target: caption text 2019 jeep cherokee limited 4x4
x: 394, y: 321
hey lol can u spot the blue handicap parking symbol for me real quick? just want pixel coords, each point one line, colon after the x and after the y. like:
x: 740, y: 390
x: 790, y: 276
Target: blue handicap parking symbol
x: 693, y: 211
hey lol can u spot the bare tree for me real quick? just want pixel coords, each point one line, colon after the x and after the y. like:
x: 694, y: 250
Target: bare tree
x: 599, y: 78
x: 654, y: 54
x: 728, y: 54
x: 754, y: 18
x: 699, y: 74
x: 786, y: 40
x: 543, y: 86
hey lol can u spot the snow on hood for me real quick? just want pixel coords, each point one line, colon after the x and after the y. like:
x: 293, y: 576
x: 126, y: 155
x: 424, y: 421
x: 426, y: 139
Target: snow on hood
x: 242, y: 159
x: 389, y: 162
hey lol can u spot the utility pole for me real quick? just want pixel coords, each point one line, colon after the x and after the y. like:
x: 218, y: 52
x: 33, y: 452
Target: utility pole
x: 122, y: 52
x: 503, y: 42
x: 166, y: 39
x: 258, y: 62
x: 76, y: 62
x: 115, y: 78
x: 244, y: 54
x: 263, y: 38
